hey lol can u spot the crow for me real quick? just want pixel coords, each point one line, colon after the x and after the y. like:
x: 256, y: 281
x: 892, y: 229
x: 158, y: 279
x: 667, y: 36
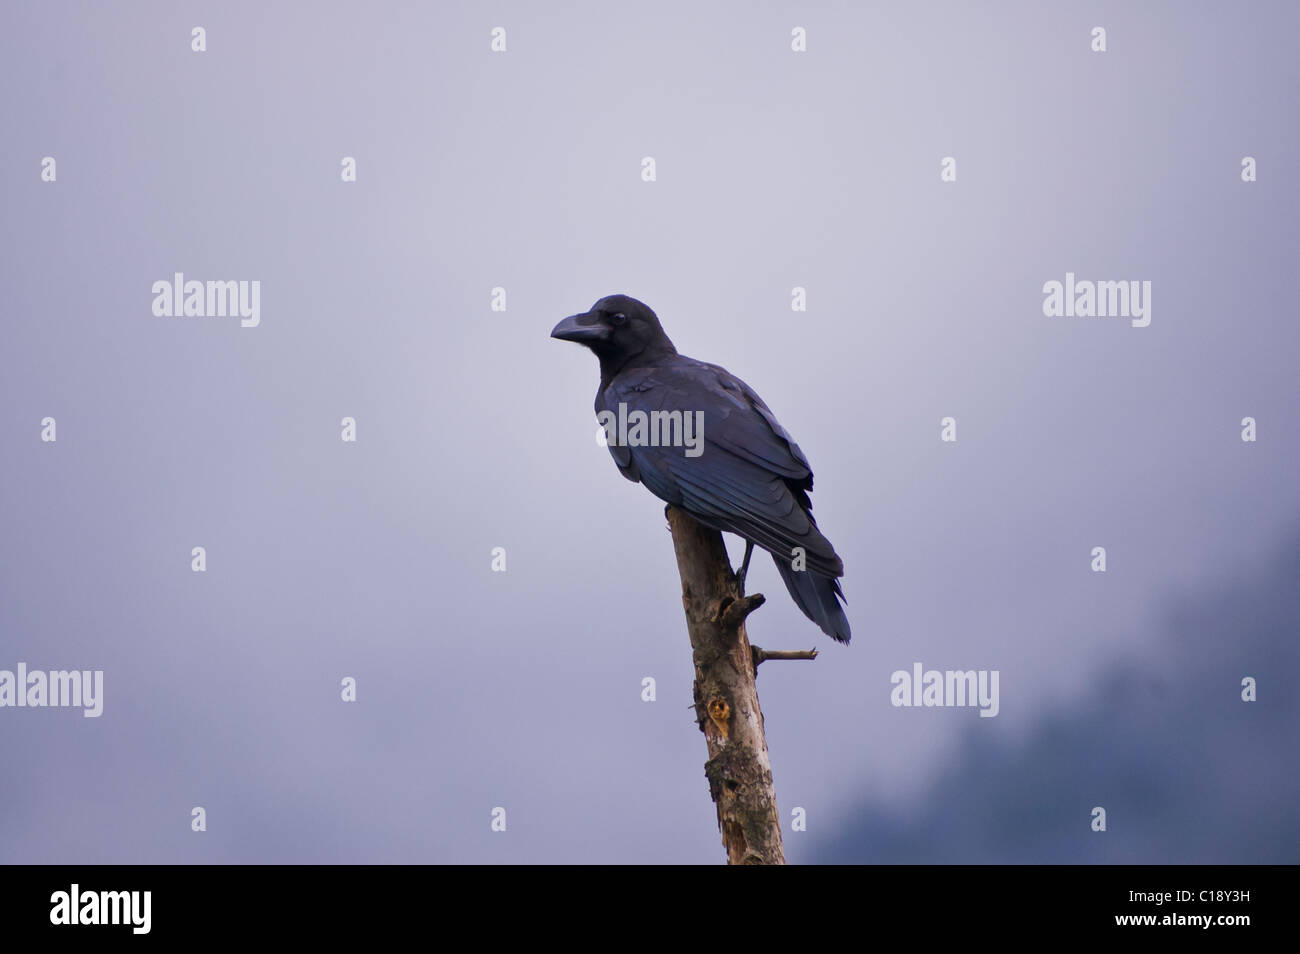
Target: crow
x: 737, y: 470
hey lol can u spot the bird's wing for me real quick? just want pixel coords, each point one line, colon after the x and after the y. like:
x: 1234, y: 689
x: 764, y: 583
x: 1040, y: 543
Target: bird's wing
x: 754, y: 433
x: 750, y: 477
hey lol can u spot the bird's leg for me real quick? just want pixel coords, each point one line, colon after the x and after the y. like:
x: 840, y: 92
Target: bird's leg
x: 744, y: 565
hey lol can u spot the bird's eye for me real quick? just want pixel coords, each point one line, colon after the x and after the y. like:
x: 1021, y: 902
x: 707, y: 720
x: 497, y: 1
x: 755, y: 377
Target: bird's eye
x: 617, y: 319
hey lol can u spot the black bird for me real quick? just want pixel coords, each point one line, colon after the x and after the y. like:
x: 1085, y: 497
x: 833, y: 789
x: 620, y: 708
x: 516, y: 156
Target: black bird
x: 747, y: 476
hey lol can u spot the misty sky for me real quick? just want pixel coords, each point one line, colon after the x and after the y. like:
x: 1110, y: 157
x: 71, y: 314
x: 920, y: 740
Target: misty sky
x: 522, y: 169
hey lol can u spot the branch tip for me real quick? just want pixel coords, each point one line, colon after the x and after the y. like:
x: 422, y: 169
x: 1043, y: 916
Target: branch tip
x: 761, y: 655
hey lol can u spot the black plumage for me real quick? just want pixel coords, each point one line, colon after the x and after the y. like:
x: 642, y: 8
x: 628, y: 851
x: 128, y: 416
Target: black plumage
x: 749, y: 478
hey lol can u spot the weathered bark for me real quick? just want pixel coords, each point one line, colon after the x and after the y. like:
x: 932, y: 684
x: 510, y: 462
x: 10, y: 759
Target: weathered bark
x: 726, y: 701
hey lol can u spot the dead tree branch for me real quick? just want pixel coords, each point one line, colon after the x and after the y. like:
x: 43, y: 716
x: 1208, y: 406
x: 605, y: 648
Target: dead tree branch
x: 726, y: 701
x: 762, y: 655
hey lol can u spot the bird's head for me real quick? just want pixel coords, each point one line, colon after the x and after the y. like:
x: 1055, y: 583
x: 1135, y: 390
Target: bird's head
x: 617, y: 329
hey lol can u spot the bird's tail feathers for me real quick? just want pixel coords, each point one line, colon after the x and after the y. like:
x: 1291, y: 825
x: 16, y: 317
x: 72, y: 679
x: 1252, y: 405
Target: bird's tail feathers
x: 819, y: 598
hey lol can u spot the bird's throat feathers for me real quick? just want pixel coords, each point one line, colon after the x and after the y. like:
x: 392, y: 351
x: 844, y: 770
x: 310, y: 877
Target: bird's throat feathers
x: 650, y: 354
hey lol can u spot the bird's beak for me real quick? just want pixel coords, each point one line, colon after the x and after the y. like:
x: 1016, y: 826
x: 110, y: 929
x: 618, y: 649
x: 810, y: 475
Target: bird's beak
x: 586, y: 328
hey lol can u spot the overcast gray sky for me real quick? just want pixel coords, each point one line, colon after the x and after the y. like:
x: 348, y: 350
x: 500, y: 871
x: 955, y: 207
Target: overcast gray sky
x: 523, y: 169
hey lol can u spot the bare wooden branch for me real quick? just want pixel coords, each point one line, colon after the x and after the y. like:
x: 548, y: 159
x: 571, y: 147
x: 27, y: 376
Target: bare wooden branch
x: 726, y: 701
x: 762, y: 655
x: 731, y: 613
